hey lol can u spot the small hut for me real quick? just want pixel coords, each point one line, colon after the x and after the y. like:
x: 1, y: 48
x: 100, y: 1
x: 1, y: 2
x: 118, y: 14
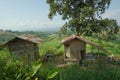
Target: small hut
x: 24, y: 48
x: 75, y: 48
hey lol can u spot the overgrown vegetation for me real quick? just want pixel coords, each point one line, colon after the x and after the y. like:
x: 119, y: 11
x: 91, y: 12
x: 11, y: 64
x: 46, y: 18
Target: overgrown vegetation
x: 83, y: 18
x: 13, y: 69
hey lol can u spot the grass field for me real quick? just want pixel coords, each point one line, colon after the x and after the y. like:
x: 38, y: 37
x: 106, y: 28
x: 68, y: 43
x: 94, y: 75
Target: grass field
x: 11, y: 69
x: 53, y: 45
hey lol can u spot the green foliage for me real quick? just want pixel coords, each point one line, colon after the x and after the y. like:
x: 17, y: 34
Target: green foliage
x: 81, y: 73
x: 53, y: 73
x: 35, y: 68
x: 15, y: 70
x: 51, y: 47
x: 45, y: 69
x: 81, y: 15
x: 109, y: 45
x: 5, y: 37
x: 11, y: 69
x: 107, y: 29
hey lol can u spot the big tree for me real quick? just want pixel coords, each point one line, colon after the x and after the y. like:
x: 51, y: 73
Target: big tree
x: 81, y: 15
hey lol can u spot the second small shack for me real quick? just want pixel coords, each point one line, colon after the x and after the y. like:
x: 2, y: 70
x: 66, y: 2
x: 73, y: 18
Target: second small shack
x: 75, y: 48
x: 24, y: 47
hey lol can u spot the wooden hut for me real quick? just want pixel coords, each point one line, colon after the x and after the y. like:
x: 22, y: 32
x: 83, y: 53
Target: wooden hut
x: 75, y: 48
x: 24, y: 47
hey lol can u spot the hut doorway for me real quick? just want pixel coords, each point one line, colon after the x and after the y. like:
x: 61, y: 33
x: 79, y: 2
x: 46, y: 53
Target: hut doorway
x: 68, y: 52
x: 82, y: 54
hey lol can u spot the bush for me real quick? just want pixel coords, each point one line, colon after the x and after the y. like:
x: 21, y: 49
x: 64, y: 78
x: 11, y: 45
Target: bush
x: 81, y: 73
x: 13, y: 70
x: 44, y: 70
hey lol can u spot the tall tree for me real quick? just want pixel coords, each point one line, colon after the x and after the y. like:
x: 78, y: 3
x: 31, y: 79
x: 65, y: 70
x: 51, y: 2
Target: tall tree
x: 80, y: 15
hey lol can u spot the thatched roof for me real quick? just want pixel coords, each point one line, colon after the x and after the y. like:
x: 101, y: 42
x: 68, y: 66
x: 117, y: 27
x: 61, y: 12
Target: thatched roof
x: 26, y: 37
x: 68, y: 39
x: 30, y: 38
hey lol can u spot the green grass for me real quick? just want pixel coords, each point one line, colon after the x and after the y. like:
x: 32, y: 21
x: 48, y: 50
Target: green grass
x: 76, y: 72
x: 51, y: 47
x: 11, y: 69
x: 112, y: 45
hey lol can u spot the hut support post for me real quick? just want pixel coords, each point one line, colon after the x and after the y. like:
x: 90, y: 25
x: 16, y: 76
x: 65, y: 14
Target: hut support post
x: 64, y: 57
x: 79, y: 57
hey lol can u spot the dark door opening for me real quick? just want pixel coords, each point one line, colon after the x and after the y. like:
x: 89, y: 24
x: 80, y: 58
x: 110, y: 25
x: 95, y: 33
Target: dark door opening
x: 82, y: 54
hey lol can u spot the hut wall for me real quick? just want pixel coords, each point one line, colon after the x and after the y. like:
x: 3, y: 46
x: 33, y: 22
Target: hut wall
x: 36, y: 51
x: 75, y: 48
x: 23, y: 50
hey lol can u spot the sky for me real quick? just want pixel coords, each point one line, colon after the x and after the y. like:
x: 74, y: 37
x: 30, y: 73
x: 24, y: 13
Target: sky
x: 32, y: 15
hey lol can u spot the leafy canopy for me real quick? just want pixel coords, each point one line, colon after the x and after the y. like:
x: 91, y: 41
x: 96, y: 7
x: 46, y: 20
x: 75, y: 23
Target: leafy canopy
x: 80, y: 15
x: 107, y: 28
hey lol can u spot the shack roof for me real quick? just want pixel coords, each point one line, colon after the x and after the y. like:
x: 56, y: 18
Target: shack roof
x: 26, y: 37
x: 30, y: 38
x: 70, y: 38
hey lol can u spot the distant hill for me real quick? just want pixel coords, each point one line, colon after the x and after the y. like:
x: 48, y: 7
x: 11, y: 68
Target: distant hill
x: 7, y: 35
